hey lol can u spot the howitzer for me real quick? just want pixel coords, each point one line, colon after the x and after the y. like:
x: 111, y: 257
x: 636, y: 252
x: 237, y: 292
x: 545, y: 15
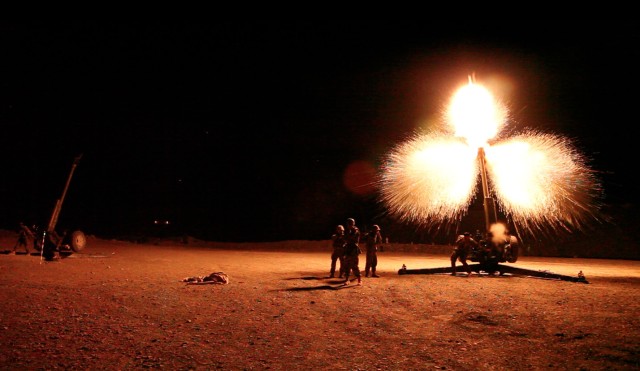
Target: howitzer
x: 48, y: 241
x: 492, y: 249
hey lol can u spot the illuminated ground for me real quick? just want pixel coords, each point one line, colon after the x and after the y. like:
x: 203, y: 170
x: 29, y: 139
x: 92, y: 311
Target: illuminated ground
x: 123, y: 306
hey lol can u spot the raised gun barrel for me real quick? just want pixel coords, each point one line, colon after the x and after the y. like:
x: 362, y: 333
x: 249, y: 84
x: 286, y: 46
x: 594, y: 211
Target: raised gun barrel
x: 49, y: 241
x: 56, y: 210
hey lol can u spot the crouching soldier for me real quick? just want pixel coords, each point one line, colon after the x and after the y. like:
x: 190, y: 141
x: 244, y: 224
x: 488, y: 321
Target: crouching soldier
x: 463, y: 245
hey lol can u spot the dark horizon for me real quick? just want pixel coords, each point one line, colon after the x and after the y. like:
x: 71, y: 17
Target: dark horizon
x: 268, y: 131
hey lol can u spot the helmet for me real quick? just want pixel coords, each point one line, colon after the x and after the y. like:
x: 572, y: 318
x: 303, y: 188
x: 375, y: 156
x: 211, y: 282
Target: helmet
x: 376, y: 227
x: 351, y: 221
x: 340, y: 228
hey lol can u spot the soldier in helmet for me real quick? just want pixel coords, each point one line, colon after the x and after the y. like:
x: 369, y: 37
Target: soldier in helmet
x: 373, y: 239
x: 337, y: 241
x: 351, y: 251
x: 463, y: 245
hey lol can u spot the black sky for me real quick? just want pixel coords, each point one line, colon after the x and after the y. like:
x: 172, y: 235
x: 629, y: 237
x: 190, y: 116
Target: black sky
x: 244, y: 131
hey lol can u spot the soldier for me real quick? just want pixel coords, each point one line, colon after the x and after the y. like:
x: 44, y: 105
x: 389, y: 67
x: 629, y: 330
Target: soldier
x: 373, y: 239
x: 351, y: 251
x: 23, y: 235
x: 338, y: 241
x: 464, y: 244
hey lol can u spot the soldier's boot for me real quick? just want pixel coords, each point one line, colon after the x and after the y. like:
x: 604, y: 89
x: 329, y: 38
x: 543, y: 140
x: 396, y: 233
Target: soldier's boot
x: 359, y: 281
x: 373, y: 274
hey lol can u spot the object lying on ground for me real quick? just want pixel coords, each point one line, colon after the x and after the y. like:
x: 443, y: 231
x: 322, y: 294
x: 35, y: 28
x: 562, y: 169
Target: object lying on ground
x: 217, y: 278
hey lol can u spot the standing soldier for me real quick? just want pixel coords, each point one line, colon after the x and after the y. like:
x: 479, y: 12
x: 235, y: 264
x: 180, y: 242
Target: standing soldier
x: 24, y: 234
x: 351, y: 251
x: 373, y: 239
x: 464, y: 244
x: 338, y: 241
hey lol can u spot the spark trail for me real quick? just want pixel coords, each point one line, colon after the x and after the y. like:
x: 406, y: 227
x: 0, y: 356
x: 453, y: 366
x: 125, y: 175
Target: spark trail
x: 539, y: 180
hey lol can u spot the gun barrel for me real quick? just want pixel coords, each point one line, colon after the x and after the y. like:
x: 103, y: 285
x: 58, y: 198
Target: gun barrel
x: 56, y: 210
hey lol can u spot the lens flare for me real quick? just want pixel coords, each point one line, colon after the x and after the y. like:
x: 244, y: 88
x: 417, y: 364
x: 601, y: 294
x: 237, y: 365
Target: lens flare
x: 540, y: 180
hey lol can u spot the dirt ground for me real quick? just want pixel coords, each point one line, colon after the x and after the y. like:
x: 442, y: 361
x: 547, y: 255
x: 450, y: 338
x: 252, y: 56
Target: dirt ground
x: 118, y: 305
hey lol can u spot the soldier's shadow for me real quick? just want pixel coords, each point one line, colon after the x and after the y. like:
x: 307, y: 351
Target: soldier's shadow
x: 334, y: 284
x: 9, y: 252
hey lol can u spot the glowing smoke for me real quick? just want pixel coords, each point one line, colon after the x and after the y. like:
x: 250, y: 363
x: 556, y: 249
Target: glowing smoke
x: 539, y: 180
x: 430, y: 178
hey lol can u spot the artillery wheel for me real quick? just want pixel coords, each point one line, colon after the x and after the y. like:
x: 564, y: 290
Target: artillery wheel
x: 513, y: 254
x: 78, y: 241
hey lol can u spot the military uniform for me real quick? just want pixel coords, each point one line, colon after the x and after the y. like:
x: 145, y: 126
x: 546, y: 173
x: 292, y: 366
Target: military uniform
x: 464, y: 244
x: 352, y: 251
x: 24, y: 234
x: 338, y: 241
x: 373, y: 239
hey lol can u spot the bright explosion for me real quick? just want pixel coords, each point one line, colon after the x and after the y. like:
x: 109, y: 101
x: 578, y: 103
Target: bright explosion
x: 540, y: 181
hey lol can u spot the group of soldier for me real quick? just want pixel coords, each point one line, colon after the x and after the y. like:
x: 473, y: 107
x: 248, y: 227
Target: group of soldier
x: 32, y: 236
x: 346, y: 251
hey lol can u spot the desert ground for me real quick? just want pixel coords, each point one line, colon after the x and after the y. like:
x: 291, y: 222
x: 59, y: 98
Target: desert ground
x: 120, y: 306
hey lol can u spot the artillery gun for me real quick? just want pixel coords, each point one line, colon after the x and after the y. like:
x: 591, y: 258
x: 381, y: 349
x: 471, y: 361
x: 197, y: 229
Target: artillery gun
x: 48, y: 242
x: 495, y: 248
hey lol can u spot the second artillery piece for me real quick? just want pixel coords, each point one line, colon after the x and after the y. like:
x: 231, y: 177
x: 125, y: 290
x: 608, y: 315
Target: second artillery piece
x: 48, y: 241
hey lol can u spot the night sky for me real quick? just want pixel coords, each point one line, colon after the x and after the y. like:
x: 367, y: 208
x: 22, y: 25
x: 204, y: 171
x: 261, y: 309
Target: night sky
x: 269, y: 131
